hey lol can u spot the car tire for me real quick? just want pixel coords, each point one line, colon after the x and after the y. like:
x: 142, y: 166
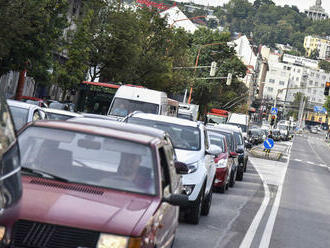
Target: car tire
x: 232, y: 179
x: 245, y: 165
x: 195, y: 213
x: 223, y: 188
x: 206, y: 206
x: 240, y: 172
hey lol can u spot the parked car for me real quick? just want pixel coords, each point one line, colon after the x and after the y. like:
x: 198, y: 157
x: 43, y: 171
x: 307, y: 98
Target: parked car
x: 222, y: 178
x: 242, y: 153
x: 58, y: 114
x: 23, y: 113
x: 193, y: 148
x: 232, y: 147
x: 126, y: 182
x: 314, y: 130
x: 276, y: 134
x: 10, y: 176
x: 254, y: 136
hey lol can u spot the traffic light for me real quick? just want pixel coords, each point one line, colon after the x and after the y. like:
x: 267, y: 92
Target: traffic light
x: 229, y: 78
x: 326, y: 90
x: 213, y: 69
x: 272, y: 122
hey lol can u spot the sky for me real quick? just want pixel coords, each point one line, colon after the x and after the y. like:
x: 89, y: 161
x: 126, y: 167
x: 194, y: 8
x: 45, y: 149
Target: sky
x: 301, y: 4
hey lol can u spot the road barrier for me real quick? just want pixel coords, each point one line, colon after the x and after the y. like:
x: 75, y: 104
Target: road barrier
x: 261, y: 153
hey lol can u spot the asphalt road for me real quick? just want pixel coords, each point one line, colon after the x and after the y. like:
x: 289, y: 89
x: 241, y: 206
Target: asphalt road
x: 229, y: 218
x: 279, y: 203
x: 303, y: 218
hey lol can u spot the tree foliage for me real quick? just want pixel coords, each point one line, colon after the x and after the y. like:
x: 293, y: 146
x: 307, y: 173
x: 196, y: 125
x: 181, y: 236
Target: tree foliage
x: 270, y: 24
x: 30, y: 31
x: 324, y: 65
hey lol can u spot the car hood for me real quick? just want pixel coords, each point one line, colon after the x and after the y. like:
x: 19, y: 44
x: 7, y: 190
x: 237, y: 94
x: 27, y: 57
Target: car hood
x: 86, y: 207
x: 187, y: 156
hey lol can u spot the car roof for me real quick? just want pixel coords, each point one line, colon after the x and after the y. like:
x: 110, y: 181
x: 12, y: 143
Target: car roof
x: 20, y: 104
x: 210, y: 128
x: 61, y: 112
x: 217, y: 134
x: 122, y: 126
x: 96, y: 130
x: 164, y: 118
x: 229, y: 126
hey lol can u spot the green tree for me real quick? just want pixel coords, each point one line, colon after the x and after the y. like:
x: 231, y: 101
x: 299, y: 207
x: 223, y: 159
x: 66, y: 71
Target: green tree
x: 314, y: 54
x: 327, y: 104
x: 324, y: 65
x: 30, y: 32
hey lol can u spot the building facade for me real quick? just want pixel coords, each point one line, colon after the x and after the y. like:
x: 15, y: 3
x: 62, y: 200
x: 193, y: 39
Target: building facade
x: 316, y: 12
x: 312, y: 43
x: 286, y: 75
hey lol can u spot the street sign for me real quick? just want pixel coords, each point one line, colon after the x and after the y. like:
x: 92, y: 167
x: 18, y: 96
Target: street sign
x: 274, y: 111
x: 269, y: 143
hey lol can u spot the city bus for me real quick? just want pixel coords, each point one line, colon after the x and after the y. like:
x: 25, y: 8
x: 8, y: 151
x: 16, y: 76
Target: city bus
x: 95, y: 97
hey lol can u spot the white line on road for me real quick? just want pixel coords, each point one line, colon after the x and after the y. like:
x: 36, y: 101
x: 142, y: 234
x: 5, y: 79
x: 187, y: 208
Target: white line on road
x: 273, y: 214
x: 249, y: 236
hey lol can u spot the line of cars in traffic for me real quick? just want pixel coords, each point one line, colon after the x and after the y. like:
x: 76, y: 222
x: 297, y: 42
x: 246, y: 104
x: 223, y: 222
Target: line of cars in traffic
x: 89, y: 181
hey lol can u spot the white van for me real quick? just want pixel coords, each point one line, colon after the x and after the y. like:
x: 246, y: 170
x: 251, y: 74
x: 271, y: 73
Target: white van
x: 129, y: 99
x: 240, y: 120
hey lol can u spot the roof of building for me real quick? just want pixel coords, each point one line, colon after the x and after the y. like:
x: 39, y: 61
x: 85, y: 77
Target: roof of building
x: 175, y: 17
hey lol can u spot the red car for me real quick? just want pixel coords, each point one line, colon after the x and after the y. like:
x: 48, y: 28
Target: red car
x: 223, y: 171
x: 88, y: 186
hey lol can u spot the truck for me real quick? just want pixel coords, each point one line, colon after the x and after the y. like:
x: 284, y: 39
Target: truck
x: 217, y: 116
x: 188, y: 111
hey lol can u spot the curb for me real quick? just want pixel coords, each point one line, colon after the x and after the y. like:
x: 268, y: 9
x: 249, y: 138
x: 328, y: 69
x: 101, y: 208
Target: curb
x: 258, y: 153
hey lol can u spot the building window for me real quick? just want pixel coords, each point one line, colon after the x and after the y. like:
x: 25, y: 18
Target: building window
x: 272, y: 80
x: 320, y: 100
x: 313, y: 99
x: 322, y: 85
x: 312, y: 74
x: 298, y: 70
x: 281, y: 82
x: 317, y: 75
x: 309, y: 90
x: 316, y: 84
x: 270, y: 89
x: 310, y: 82
x: 289, y: 68
x: 314, y: 92
x: 297, y: 79
x: 323, y: 77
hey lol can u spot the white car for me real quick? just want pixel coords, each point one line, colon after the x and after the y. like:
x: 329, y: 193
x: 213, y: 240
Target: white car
x: 59, y: 114
x: 24, y: 112
x: 193, y: 148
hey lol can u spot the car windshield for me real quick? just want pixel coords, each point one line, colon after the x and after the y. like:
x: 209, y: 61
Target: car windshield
x: 229, y: 138
x: 20, y: 116
x: 243, y: 127
x: 238, y: 138
x: 216, y: 119
x: 183, y: 137
x: 89, y: 159
x: 185, y: 116
x: 122, y: 107
x: 254, y: 132
x: 218, y: 141
x: 61, y: 117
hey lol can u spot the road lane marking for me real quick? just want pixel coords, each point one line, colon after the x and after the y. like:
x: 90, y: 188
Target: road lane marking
x: 297, y: 160
x: 250, y: 234
x: 265, y: 241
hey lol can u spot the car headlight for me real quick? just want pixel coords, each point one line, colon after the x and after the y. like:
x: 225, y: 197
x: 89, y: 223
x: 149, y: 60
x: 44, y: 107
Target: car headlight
x: 188, y: 189
x: 112, y: 241
x: 193, y: 167
x: 222, y: 163
x: 2, y: 232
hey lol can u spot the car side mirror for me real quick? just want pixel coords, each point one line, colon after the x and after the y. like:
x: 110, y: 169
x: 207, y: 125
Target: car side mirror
x: 181, y: 168
x: 233, y: 154
x: 213, y: 150
x: 180, y: 200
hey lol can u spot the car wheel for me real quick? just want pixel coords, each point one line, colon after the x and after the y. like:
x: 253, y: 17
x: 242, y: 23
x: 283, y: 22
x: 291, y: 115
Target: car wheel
x: 232, y: 179
x: 195, y: 215
x: 245, y: 165
x: 207, y: 204
x: 223, y: 188
x: 240, y: 172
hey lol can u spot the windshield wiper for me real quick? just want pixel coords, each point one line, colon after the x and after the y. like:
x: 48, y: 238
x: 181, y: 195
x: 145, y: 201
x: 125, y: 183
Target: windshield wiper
x: 43, y: 174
